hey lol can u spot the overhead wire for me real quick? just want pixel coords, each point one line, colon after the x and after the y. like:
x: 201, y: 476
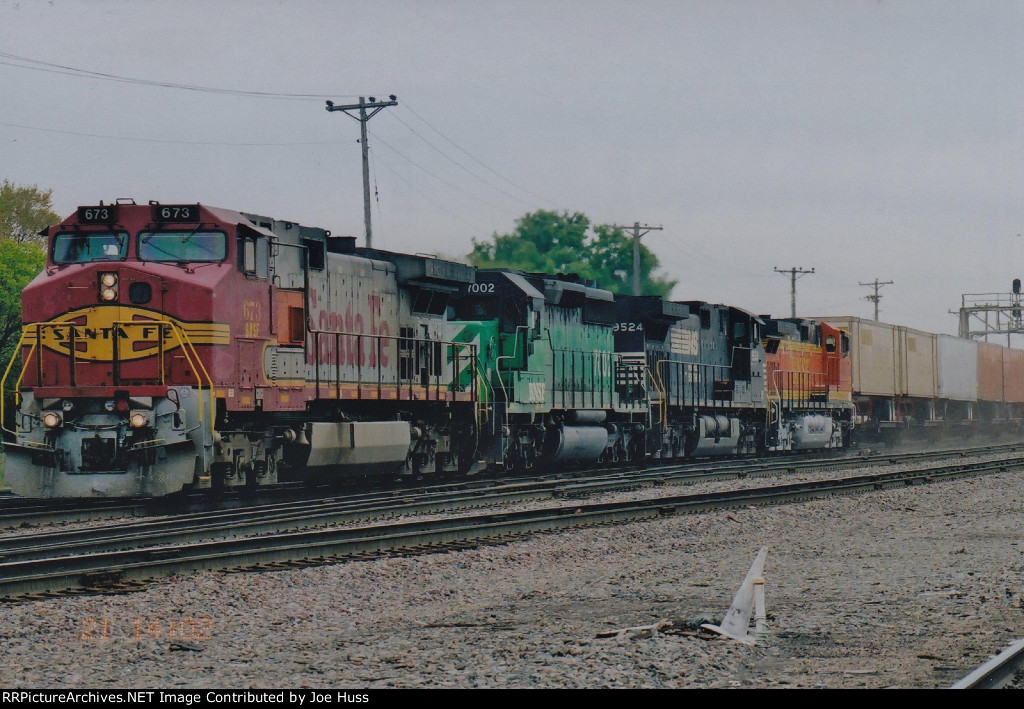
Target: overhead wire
x: 405, y: 104
x: 20, y: 62
x: 169, y: 142
x: 371, y: 156
x: 430, y: 200
x: 448, y: 157
x: 439, y: 178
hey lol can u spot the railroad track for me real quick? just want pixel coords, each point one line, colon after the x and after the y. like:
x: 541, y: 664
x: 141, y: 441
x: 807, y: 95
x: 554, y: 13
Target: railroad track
x: 21, y: 512
x: 42, y: 573
x: 295, y: 515
x: 998, y: 672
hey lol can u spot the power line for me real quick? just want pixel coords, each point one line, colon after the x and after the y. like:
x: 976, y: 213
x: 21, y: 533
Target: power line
x: 437, y: 205
x: 456, y: 162
x: 376, y: 187
x: 473, y: 157
x: 166, y: 142
x: 441, y: 179
x: 65, y: 70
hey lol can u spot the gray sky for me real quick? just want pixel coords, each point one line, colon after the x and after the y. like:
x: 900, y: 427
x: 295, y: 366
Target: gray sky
x: 867, y: 138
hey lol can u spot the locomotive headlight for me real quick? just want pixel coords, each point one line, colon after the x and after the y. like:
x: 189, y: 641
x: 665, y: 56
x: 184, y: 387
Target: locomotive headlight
x: 51, y: 419
x: 108, y: 286
x: 138, y: 419
x: 108, y: 404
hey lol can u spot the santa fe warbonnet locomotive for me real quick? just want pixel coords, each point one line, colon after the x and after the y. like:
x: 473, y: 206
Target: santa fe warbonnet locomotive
x: 170, y: 347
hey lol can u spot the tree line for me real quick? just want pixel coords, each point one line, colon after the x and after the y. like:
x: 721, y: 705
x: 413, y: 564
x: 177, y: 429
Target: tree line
x: 24, y: 212
x: 549, y: 242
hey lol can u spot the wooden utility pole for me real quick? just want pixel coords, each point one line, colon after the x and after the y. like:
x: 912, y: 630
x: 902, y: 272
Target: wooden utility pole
x: 875, y: 297
x: 636, y: 248
x: 375, y: 107
x: 794, y: 273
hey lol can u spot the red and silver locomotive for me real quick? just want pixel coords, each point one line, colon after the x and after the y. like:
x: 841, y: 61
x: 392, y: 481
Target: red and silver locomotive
x: 185, y: 346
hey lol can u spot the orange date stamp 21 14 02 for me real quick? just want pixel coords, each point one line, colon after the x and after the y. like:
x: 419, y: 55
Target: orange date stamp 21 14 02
x: 94, y: 629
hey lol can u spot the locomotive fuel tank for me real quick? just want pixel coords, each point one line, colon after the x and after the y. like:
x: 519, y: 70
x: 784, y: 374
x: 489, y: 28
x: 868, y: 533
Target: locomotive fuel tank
x: 327, y: 449
x: 716, y: 435
x: 576, y: 444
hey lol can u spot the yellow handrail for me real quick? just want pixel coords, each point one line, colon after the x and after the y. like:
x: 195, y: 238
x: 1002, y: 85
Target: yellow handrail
x: 662, y: 394
x: 183, y: 338
x: 203, y: 377
x: 7, y: 371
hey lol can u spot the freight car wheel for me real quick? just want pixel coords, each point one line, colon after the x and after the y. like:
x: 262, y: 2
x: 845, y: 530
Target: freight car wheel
x: 218, y: 476
x: 466, y: 439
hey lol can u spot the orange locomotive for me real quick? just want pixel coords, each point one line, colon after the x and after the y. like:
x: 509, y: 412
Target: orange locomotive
x: 807, y: 385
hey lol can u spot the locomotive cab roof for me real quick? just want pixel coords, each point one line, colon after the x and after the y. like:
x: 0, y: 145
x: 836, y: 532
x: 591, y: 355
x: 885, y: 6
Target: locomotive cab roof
x: 696, y: 305
x: 797, y: 329
x: 651, y: 308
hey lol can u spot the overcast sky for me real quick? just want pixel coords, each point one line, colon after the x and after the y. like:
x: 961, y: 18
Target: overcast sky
x: 865, y: 138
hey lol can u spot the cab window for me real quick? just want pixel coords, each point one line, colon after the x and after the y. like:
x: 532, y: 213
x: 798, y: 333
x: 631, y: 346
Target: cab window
x: 82, y: 247
x: 182, y: 246
x: 253, y: 255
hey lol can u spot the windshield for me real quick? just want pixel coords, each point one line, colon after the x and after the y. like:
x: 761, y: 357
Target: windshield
x: 182, y: 246
x: 80, y: 247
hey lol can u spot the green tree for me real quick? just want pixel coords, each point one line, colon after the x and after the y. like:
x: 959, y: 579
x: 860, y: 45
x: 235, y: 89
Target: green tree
x: 548, y: 242
x: 24, y: 211
x: 19, y: 263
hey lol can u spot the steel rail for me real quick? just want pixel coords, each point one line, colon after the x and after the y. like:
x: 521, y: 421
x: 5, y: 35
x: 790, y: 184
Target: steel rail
x: 296, y: 515
x: 18, y: 512
x: 320, y: 546
x: 21, y: 511
x: 997, y: 672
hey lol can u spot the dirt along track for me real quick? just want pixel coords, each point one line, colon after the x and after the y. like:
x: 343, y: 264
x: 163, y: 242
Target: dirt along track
x: 908, y: 587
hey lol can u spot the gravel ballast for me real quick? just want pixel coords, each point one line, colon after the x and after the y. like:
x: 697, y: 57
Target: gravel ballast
x: 900, y: 588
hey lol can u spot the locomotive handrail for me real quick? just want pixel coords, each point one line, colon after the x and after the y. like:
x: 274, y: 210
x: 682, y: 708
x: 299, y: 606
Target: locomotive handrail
x: 187, y: 347
x: 800, y: 392
x: 3, y: 381
x: 24, y: 367
x: 602, y: 368
x: 183, y: 338
x: 659, y: 385
x: 434, y: 384
x: 698, y: 394
x: 515, y: 349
